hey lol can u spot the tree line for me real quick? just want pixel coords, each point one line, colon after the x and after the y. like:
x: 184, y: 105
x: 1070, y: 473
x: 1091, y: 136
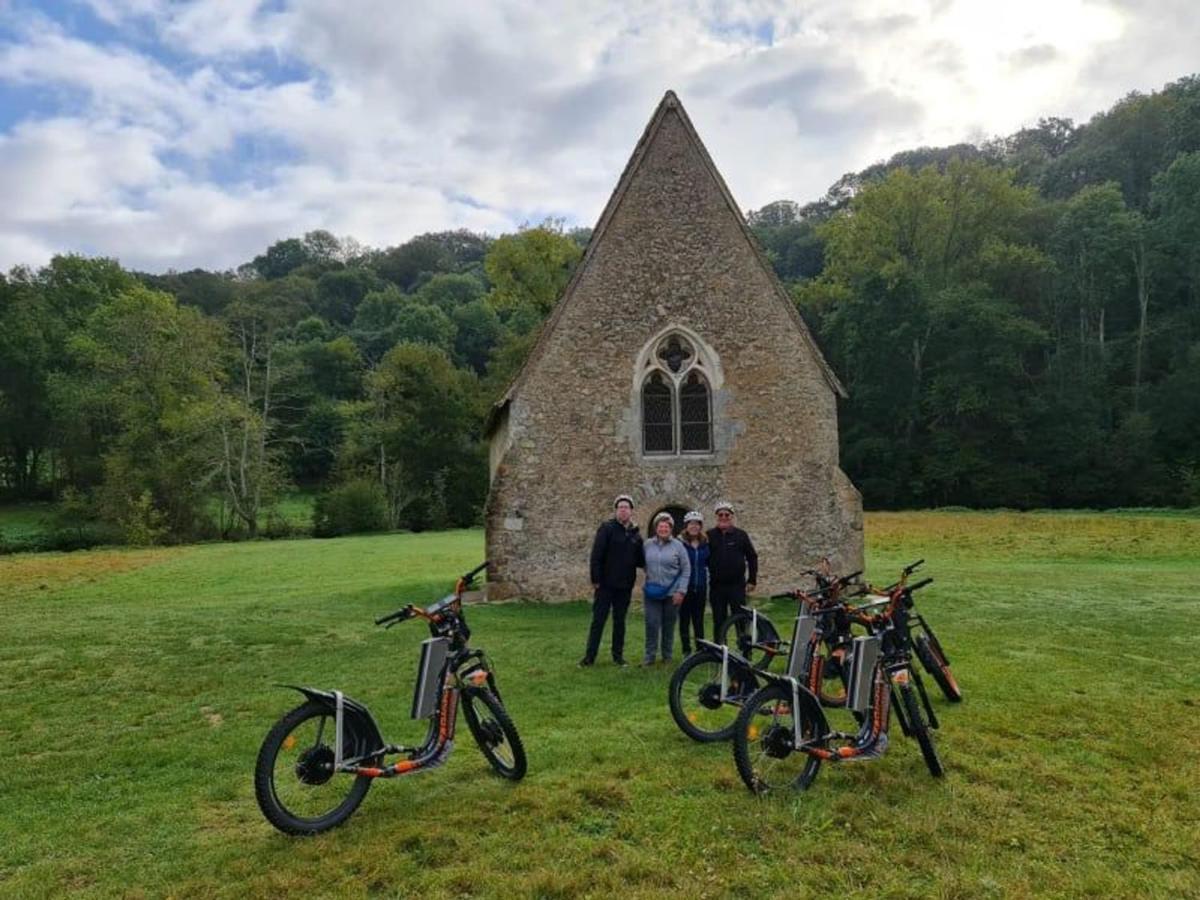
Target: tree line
x: 1017, y: 323
x: 186, y: 405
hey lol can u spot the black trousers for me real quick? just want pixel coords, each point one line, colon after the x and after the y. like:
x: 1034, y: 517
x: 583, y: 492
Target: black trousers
x: 726, y: 599
x: 608, y: 599
x: 691, y: 618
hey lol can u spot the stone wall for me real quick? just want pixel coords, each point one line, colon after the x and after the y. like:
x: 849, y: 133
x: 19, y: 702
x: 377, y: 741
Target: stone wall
x: 672, y: 254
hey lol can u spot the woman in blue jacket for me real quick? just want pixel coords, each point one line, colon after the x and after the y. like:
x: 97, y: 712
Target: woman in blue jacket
x: 691, y: 613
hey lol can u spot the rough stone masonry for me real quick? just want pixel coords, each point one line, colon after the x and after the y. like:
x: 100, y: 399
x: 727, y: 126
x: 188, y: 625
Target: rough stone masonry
x: 676, y: 368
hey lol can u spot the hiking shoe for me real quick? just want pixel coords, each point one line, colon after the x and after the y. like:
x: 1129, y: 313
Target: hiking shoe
x: 586, y: 662
x: 619, y: 662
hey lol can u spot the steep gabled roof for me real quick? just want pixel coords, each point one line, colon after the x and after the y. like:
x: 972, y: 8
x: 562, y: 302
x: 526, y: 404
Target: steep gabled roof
x: 670, y: 103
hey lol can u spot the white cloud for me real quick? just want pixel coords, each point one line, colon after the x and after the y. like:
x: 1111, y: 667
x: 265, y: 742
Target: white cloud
x: 384, y: 119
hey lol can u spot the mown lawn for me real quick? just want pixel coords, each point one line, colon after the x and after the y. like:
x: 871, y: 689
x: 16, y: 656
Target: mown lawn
x: 137, y: 686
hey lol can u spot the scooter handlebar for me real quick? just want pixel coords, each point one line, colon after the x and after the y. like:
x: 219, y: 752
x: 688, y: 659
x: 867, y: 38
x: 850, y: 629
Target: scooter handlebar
x: 398, y: 616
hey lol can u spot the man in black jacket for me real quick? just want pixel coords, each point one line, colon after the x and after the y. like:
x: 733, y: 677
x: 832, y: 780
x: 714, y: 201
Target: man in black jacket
x: 617, y: 553
x: 730, y: 555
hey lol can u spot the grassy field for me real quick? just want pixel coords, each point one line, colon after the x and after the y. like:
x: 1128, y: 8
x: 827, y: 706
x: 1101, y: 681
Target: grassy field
x: 137, y: 686
x: 22, y: 524
x: 21, y: 520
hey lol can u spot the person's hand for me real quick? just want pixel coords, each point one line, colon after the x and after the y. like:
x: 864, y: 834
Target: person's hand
x: 750, y: 587
x: 677, y: 598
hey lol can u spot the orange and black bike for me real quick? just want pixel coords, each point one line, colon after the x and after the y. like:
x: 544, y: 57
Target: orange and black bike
x: 317, y: 763
x: 924, y: 642
x: 710, y: 686
x: 782, y: 735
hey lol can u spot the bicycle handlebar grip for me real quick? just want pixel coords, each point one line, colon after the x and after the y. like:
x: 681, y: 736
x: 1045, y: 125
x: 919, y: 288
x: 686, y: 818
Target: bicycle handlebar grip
x: 475, y: 571
x: 912, y: 567
x: 787, y: 596
x: 393, y: 616
x: 846, y: 579
x: 920, y: 584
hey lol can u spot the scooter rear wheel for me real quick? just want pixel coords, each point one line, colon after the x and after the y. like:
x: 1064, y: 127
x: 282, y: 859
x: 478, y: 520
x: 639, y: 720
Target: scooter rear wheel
x: 294, y: 782
x: 694, y: 697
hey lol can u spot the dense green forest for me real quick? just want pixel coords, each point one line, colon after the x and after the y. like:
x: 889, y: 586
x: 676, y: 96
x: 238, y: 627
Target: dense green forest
x: 1018, y: 324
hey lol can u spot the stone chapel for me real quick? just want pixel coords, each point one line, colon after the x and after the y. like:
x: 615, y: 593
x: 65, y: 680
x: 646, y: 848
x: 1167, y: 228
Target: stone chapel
x: 674, y: 368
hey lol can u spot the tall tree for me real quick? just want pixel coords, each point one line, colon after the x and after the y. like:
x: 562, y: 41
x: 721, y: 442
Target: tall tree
x: 26, y: 360
x: 152, y: 369
x: 1092, y: 245
x: 258, y: 322
x: 529, y: 270
x: 417, y: 435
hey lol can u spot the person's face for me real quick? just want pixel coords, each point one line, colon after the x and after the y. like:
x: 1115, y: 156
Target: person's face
x: 693, y: 528
x: 663, y: 529
x: 624, y: 511
x: 724, y: 520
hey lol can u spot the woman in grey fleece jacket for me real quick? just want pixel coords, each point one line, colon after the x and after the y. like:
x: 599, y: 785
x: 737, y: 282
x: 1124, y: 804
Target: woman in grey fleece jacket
x: 667, y: 574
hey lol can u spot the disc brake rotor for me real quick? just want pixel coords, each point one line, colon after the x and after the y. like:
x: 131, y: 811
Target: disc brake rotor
x: 492, y: 734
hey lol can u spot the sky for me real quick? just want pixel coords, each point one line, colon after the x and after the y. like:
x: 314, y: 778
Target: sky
x: 176, y: 135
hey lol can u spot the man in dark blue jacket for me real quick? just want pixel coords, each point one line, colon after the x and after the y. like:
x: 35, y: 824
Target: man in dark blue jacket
x: 617, y: 554
x: 730, y: 555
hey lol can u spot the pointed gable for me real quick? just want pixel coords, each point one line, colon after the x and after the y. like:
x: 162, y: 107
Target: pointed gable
x: 676, y: 368
x: 668, y: 115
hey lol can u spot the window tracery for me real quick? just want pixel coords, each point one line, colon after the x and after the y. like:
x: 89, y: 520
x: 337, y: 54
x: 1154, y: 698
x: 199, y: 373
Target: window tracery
x: 676, y: 397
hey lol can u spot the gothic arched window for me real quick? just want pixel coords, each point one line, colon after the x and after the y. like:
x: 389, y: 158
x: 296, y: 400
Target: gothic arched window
x: 658, y: 415
x: 676, y: 400
x: 695, y: 415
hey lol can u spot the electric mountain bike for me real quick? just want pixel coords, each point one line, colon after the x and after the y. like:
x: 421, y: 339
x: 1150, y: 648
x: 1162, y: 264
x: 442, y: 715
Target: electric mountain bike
x: 317, y: 763
x: 925, y: 643
x: 755, y: 636
x: 710, y: 686
x: 782, y: 736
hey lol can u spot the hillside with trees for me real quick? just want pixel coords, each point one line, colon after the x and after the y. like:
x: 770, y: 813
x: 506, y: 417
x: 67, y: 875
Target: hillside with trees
x: 1018, y: 325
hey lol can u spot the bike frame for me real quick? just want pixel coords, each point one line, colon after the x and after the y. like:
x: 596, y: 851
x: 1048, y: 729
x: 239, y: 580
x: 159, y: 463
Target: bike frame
x: 732, y: 661
x: 826, y: 595
x: 463, y: 669
x: 892, y: 669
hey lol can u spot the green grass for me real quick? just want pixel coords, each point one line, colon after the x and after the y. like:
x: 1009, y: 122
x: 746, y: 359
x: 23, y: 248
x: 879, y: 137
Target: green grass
x: 137, y: 686
x: 19, y: 521
x: 296, y: 509
x: 23, y: 522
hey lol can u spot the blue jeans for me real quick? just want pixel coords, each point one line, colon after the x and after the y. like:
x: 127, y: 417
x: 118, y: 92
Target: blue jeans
x: 660, y: 627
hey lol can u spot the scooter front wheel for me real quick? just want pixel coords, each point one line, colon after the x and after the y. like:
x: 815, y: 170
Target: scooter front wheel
x: 294, y: 781
x: 495, y: 733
